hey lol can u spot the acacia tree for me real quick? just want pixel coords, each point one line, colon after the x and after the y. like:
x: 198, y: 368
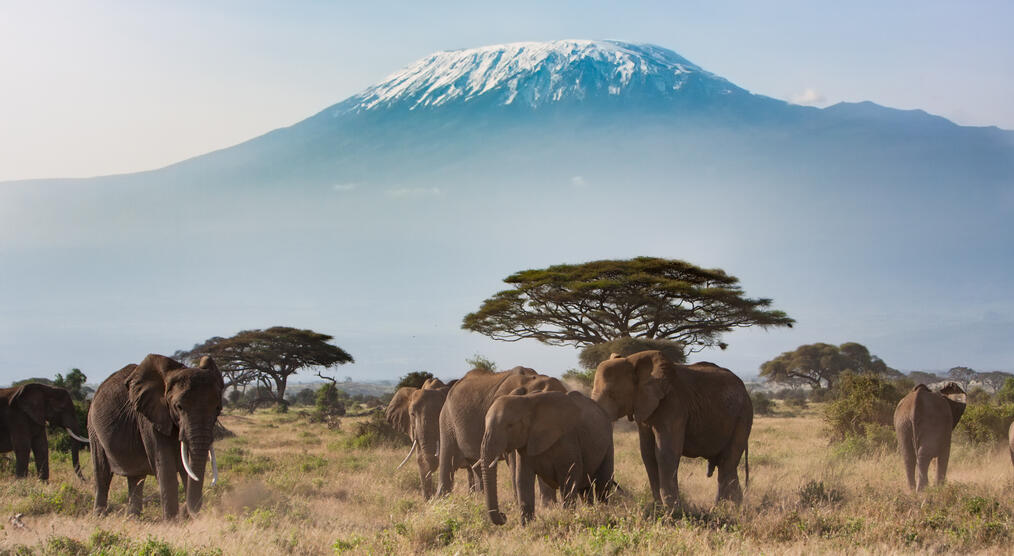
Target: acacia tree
x: 599, y: 301
x: 269, y: 357
x: 820, y: 364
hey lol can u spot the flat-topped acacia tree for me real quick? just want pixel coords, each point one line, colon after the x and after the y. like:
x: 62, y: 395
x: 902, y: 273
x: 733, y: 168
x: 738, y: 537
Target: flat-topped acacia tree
x: 599, y: 301
x: 270, y: 356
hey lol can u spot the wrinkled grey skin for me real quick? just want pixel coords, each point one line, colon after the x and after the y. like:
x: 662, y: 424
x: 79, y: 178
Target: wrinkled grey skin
x: 416, y: 412
x: 139, y: 417
x: 24, y: 413
x: 697, y: 411
x: 463, y: 417
x: 566, y: 440
x: 923, y: 422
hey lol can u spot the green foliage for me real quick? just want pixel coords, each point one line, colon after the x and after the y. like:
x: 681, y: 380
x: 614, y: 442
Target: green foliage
x: 978, y: 395
x: 341, y: 546
x: 821, y: 364
x: 415, y: 379
x: 591, y: 356
x: 762, y: 404
x: 875, y: 439
x: 328, y: 401
x: 644, y: 297
x: 1006, y: 392
x: 583, y: 378
x: 375, y: 431
x: 269, y: 357
x: 986, y: 423
x: 66, y: 500
x: 860, y: 400
x: 479, y: 361
x: 74, y: 383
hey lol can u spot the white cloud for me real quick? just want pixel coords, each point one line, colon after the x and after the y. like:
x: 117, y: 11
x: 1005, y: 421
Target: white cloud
x: 578, y: 182
x: 414, y: 192
x: 344, y: 187
x: 809, y: 97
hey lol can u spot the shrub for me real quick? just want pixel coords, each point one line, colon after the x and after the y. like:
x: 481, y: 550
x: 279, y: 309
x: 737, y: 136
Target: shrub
x: 875, y: 438
x: 1006, y: 392
x: 986, y: 423
x: 814, y: 493
x: 762, y: 404
x: 796, y: 399
x: 977, y: 395
x: 375, y: 431
x: 576, y: 377
x: 328, y: 402
x: 415, y: 379
x: 859, y: 400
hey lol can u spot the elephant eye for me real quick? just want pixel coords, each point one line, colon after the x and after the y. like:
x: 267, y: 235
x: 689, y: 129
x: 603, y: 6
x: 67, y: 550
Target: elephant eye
x: 179, y: 407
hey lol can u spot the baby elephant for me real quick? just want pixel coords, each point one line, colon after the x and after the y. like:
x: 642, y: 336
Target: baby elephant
x: 564, y: 439
x: 923, y: 422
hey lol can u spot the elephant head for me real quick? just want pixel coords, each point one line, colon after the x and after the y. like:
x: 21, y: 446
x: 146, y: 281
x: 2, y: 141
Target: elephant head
x: 632, y: 385
x: 519, y: 422
x: 50, y: 405
x: 956, y: 399
x: 182, y: 403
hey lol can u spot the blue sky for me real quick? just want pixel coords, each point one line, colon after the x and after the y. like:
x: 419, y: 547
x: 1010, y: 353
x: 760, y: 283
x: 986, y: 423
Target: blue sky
x: 92, y: 89
x: 124, y: 87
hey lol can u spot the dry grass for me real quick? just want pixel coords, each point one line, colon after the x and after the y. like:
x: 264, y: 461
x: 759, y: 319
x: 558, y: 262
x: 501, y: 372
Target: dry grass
x: 291, y: 487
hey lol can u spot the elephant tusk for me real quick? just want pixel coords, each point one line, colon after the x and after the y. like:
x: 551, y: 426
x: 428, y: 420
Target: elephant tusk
x: 214, y: 466
x: 186, y: 464
x: 410, y: 452
x: 76, y: 437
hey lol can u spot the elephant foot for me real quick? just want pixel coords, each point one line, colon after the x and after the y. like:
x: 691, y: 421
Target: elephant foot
x: 497, y: 517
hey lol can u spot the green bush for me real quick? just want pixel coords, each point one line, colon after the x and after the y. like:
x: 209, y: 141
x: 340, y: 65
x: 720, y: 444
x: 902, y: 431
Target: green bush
x: 375, y: 431
x: 1006, y: 392
x: 874, y: 439
x: 860, y: 400
x: 986, y: 423
x: 328, y: 401
x: 762, y: 404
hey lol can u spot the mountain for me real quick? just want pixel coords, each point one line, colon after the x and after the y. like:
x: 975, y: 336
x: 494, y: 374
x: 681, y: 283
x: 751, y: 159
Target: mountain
x: 386, y: 217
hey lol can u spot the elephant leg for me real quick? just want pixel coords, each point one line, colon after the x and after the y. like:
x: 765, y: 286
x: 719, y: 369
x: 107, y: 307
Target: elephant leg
x: 135, y: 498
x: 22, y: 453
x: 103, y: 477
x: 923, y: 462
x: 668, y: 449
x: 602, y: 482
x: 165, y: 474
x: 647, y: 437
x: 942, y: 460
x: 546, y: 493
x: 40, y: 450
x: 728, y: 481
x: 526, y: 490
x: 908, y: 458
x: 448, y: 450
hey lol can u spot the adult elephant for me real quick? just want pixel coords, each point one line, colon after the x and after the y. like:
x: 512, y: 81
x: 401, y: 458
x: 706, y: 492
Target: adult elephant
x: 566, y: 440
x: 698, y: 411
x: 923, y: 422
x: 156, y: 418
x: 416, y: 412
x: 24, y: 413
x: 463, y: 417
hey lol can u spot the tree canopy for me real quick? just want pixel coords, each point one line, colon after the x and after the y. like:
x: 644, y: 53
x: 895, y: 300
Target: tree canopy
x: 74, y: 382
x: 270, y: 356
x: 415, y: 379
x: 599, y: 301
x: 820, y: 364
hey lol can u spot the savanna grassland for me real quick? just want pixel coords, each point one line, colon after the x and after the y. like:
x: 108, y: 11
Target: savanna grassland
x: 288, y: 486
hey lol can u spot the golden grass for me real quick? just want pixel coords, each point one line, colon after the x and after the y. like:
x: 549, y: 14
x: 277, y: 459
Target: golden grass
x: 291, y: 487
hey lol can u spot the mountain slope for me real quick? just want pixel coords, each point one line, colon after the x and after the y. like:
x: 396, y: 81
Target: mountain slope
x: 386, y: 217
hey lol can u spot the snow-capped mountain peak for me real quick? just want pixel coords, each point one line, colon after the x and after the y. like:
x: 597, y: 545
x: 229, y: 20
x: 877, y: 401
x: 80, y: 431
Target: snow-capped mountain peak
x: 538, y: 73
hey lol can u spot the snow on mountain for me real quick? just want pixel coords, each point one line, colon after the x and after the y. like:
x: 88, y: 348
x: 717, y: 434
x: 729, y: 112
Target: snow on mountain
x: 537, y: 73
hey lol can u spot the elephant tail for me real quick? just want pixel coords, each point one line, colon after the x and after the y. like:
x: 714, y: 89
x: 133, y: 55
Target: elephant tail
x: 746, y: 464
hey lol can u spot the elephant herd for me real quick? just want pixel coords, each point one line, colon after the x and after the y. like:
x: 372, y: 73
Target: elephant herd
x: 565, y: 439
x: 157, y: 418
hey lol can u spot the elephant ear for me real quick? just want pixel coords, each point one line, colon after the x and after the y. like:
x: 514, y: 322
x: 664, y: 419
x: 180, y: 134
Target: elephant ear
x: 146, y: 389
x: 652, y: 385
x: 956, y: 399
x: 208, y: 364
x: 31, y: 398
x: 551, y: 420
x: 397, y: 413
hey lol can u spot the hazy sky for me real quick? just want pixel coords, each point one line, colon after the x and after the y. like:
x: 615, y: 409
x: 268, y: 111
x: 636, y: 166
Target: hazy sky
x: 97, y: 88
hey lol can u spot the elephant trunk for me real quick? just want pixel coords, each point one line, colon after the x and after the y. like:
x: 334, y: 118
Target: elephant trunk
x: 196, y: 454
x: 488, y: 462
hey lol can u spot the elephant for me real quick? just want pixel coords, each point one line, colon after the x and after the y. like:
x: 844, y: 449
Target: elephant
x: 156, y: 418
x: 566, y: 440
x: 24, y: 413
x: 923, y: 422
x: 1010, y: 439
x: 698, y: 411
x: 416, y: 412
x: 463, y: 417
